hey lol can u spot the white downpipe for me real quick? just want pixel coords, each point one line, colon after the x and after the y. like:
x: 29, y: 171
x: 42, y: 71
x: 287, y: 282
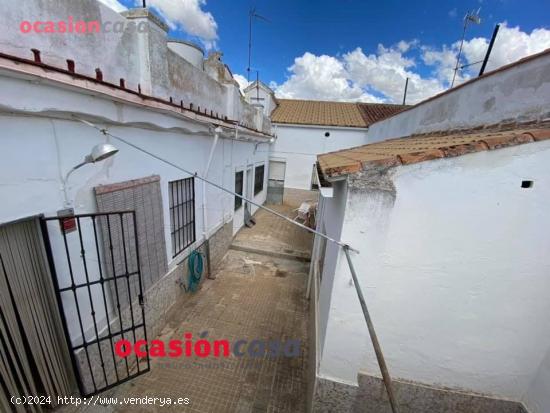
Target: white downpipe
x: 217, y: 132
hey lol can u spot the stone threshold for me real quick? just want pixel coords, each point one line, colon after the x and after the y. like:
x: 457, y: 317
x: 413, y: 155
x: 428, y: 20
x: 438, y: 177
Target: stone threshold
x: 370, y: 397
x: 295, y: 255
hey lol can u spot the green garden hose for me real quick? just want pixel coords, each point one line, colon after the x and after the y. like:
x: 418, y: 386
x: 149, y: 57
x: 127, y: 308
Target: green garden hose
x: 195, y: 264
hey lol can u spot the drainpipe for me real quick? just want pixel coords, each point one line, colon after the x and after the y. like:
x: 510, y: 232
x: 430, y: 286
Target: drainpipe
x: 217, y: 132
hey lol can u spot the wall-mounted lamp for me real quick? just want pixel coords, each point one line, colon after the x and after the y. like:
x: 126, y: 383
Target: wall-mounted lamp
x: 99, y: 153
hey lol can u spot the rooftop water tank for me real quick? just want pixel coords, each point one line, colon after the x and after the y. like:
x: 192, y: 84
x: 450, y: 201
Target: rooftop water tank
x: 187, y: 50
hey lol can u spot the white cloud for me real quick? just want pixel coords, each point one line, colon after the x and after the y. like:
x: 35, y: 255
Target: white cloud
x: 380, y: 76
x: 186, y: 15
x: 443, y: 62
x: 241, y: 80
x: 113, y: 4
x: 355, y: 76
x: 387, y: 71
x: 189, y: 16
x: 321, y: 78
x: 511, y: 44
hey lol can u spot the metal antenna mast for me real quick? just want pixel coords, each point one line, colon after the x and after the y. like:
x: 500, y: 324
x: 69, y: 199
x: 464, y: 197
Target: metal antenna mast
x: 472, y: 17
x: 257, y: 85
x: 405, y: 93
x: 251, y: 16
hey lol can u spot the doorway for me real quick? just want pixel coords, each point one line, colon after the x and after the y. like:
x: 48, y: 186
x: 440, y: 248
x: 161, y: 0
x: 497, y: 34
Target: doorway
x: 248, y: 220
x: 276, y: 181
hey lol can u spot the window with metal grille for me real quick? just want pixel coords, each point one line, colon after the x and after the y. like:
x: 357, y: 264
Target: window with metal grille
x: 239, y: 178
x: 259, y: 179
x: 182, y: 214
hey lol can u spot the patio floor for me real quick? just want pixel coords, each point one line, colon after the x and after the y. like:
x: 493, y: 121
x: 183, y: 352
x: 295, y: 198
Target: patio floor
x: 255, y: 296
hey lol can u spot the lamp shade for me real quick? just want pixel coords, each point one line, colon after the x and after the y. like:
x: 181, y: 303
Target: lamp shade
x: 102, y: 151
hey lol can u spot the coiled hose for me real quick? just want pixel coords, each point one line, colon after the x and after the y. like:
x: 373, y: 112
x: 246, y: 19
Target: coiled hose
x: 195, y: 264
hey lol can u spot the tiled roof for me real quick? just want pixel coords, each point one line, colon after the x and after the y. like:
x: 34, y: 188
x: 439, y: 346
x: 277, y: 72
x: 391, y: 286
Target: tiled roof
x: 419, y: 148
x: 323, y: 113
x: 373, y: 112
x: 312, y: 112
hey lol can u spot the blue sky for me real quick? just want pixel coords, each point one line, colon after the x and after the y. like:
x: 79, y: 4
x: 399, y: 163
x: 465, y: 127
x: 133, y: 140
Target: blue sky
x: 419, y: 41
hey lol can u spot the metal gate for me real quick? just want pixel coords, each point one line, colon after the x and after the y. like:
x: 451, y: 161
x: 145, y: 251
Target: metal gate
x: 94, y: 261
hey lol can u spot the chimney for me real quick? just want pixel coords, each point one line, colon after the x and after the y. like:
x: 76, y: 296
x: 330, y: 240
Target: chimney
x: 153, y: 49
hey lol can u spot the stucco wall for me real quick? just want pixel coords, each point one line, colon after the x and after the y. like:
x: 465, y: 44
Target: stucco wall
x: 519, y: 93
x: 140, y: 57
x: 262, y: 96
x: 330, y: 218
x: 453, y: 264
x: 300, y: 145
x: 537, y: 397
x: 115, y: 54
x: 40, y: 147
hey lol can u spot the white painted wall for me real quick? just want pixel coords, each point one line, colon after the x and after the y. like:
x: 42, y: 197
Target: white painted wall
x: 243, y: 165
x: 330, y: 215
x: 454, y: 267
x: 300, y: 145
x: 261, y: 95
x: 537, y: 398
x: 519, y: 93
x: 40, y: 143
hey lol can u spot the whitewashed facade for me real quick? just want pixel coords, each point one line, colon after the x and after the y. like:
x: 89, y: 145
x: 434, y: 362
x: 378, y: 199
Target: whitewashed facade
x: 452, y: 258
x: 297, y: 146
x: 145, y: 93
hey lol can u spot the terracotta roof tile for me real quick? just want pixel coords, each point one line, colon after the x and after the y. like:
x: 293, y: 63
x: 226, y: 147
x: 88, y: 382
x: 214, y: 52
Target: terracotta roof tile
x: 322, y: 113
x: 373, y: 112
x: 420, y: 148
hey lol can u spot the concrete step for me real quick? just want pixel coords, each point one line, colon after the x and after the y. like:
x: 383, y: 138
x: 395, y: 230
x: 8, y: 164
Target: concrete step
x: 271, y: 251
x: 416, y: 397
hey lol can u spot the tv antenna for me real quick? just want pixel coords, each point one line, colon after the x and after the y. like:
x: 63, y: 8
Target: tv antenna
x: 472, y: 17
x: 252, y: 14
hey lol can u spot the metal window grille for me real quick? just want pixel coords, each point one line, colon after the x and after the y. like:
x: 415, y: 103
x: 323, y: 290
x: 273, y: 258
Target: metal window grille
x: 182, y: 214
x: 239, y: 178
x: 259, y: 179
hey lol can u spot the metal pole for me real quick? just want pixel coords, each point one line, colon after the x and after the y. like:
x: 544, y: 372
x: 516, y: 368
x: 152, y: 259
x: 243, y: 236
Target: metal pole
x: 144, y: 4
x: 405, y: 94
x: 250, y: 15
x: 377, y: 349
x: 491, y: 43
x: 459, y: 52
x: 257, y: 86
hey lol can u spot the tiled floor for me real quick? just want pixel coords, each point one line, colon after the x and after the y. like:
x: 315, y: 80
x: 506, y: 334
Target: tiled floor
x: 254, y: 297
x: 271, y: 233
